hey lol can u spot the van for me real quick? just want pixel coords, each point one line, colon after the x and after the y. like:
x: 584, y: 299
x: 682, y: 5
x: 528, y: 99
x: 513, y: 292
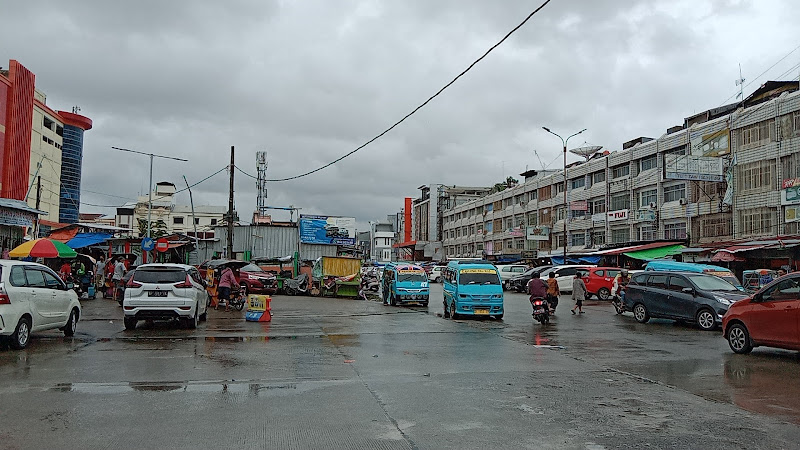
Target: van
x: 721, y: 272
x: 404, y: 283
x: 509, y: 271
x: 472, y: 288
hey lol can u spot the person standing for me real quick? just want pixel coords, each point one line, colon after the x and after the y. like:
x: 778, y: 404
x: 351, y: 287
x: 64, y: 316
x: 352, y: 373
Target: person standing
x: 98, y: 271
x: 116, y: 278
x: 578, y: 292
x: 553, y: 292
x: 226, y: 281
x: 537, y: 288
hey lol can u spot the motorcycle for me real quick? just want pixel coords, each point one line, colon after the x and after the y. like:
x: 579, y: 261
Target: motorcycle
x: 297, y: 285
x: 238, y: 300
x: 619, y: 305
x: 541, y: 310
x: 373, y: 284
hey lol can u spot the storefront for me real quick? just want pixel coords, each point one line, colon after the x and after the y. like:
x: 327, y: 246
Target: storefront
x: 17, y: 219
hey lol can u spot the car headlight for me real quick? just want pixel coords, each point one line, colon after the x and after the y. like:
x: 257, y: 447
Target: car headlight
x: 723, y: 300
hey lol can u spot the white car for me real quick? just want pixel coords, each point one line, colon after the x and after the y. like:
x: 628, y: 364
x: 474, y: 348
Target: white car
x: 564, y: 275
x: 33, y: 298
x: 509, y: 271
x: 165, y: 291
x: 436, y: 274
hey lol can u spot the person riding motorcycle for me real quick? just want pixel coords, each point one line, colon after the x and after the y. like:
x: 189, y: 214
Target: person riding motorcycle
x: 537, y: 288
x: 620, y: 283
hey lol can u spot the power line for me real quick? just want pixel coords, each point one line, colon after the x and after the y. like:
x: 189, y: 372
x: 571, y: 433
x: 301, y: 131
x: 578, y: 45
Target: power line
x: 423, y: 104
x: 247, y: 174
x: 762, y: 74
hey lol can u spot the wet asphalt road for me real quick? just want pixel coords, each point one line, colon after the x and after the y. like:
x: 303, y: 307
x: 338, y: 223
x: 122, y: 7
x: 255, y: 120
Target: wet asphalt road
x: 352, y: 374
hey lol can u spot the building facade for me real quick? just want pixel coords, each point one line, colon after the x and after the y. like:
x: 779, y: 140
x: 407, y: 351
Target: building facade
x: 382, y: 239
x: 683, y: 186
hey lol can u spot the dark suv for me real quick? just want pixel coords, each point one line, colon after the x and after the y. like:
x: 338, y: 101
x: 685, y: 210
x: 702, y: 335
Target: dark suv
x: 520, y: 282
x: 684, y: 296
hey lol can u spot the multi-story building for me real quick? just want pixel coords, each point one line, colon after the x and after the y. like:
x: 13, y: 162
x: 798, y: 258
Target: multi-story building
x: 382, y: 238
x: 682, y: 187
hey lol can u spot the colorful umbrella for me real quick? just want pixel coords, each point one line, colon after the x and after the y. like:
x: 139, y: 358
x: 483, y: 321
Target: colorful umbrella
x: 43, y: 248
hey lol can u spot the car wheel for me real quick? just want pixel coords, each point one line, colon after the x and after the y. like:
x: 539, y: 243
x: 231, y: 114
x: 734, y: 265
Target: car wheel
x: 739, y: 339
x: 208, y: 300
x: 130, y: 323
x: 640, y: 313
x: 603, y: 293
x: 22, y: 334
x: 392, y: 300
x: 453, y: 314
x: 705, y: 320
x: 498, y: 316
x: 191, y: 323
x: 203, y: 317
x: 72, y: 324
x: 243, y: 288
x: 446, y: 312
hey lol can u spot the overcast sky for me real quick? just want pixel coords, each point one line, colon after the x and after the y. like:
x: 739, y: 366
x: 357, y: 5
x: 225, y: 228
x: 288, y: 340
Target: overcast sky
x: 308, y: 81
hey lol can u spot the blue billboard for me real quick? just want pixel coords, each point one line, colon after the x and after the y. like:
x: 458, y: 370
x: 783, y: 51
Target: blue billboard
x: 330, y: 230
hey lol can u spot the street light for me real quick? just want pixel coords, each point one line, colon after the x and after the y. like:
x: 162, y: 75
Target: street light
x: 566, y: 205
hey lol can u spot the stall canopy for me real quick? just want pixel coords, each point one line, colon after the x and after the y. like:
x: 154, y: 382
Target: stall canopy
x: 81, y: 240
x: 655, y: 252
x: 576, y: 259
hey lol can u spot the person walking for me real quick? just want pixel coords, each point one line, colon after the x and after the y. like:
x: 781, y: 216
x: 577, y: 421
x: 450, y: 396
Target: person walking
x: 578, y: 292
x: 99, y: 268
x: 116, y: 278
x: 553, y: 292
x: 537, y: 289
x: 226, y: 282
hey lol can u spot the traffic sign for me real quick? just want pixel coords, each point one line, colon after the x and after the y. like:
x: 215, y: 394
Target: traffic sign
x: 162, y: 245
x: 148, y: 244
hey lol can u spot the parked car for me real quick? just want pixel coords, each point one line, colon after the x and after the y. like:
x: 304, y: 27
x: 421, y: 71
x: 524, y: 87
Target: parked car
x: 165, y: 291
x: 33, y: 298
x: 509, y: 271
x: 564, y: 275
x: 435, y: 275
x: 769, y: 318
x: 255, y: 280
x: 599, y: 281
x: 685, y: 296
x: 520, y: 282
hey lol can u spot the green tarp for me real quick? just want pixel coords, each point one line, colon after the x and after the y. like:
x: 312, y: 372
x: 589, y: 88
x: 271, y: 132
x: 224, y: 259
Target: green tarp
x: 655, y: 253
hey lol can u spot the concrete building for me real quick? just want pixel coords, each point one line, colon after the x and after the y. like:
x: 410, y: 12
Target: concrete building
x: 382, y: 240
x: 682, y: 187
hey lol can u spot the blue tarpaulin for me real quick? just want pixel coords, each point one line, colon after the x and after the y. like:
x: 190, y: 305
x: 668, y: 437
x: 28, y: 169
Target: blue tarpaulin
x: 558, y: 260
x: 86, y: 239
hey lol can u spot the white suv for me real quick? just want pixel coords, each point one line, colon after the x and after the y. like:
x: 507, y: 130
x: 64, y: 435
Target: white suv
x: 33, y: 298
x: 564, y: 274
x: 509, y: 271
x: 165, y: 291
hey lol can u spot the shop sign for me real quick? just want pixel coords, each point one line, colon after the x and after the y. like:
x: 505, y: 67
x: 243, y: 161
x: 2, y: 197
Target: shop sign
x: 791, y: 182
x: 517, y: 232
x: 16, y: 218
x: 579, y: 205
x: 792, y: 214
x: 691, y: 167
x: 540, y: 233
x: 620, y: 214
x: 647, y: 215
x: 599, y: 218
x: 790, y: 196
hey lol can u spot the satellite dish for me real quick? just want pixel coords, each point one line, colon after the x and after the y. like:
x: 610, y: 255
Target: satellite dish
x: 586, y: 152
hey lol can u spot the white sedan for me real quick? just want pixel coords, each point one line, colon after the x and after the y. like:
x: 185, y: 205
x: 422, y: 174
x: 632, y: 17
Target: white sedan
x: 33, y: 298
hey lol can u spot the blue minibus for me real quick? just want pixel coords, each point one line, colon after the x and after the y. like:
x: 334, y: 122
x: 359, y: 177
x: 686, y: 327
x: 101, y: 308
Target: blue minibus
x: 404, y: 283
x: 472, y: 288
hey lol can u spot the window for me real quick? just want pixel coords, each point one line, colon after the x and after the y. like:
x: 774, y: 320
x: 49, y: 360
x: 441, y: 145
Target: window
x: 578, y: 239
x: 758, y: 220
x: 508, y: 202
x: 756, y: 176
x: 578, y: 183
x: 674, y: 193
x: 532, y: 195
x: 677, y: 283
x: 561, y: 213
x: 48, y: 123
x: 559, y: 187
x: 498, y: 205
x: 783, y: 290
x: 545, y: 193
x: 519, y: 199
x: 675, y: 231
x: 620, y: 201
x: 196, y: 221
x: 650, y: 162
x: 519, y: 220
x: 757, y: 132
x: 177, y: 220
x: 620, y: 171
x: 790, y: 165
x: 647, y: 197
x: 715, y: 225
x: 647, y: 233
x: 509, y: 223
x: 488, y: 208
x: 546, y: 216
x: 519, y: 244
x: 17, y: 276
x: 488, y: 227
x: 599, y: 177
x: 620, y: 236
x: 599, y: 238
x: 35, y: 278
x: 533, y: 219
x: 598, y: 206
x: 52, y: 281
x: 657, y: 281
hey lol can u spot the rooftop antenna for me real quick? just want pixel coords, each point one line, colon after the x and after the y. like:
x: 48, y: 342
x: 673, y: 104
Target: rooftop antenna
x: 740, y: 83
x: 536, y: 152
x: 76, y: 109
x: 261, y: 182
x: 586, y: 151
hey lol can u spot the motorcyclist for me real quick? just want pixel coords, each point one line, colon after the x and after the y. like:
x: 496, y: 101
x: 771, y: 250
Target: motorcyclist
x: 620, y: 283
x: 537, y: 288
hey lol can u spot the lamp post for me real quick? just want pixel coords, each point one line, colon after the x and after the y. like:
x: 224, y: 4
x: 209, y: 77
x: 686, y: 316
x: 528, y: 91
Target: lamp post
x: 566, y: 205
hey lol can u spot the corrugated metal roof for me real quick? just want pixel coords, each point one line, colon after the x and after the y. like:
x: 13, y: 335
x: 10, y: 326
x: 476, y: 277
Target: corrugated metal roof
x: 19, y: 205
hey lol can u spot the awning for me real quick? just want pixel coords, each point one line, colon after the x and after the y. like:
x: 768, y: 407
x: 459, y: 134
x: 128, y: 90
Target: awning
x: 86, y: 239
x: 405, y: 244
x: 726, y: 256
x: 655, y: 252
x: 576, y: 259
x: 741, y: 248
x: 637, y: 248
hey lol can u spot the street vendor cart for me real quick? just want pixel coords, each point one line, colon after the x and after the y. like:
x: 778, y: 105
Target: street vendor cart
x: 336, y: 276
x: 755, y: 279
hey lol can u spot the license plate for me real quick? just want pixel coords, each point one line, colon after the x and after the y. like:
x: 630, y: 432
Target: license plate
x: 539, y: 311
x: 156, y: 293
x: 481, y: 311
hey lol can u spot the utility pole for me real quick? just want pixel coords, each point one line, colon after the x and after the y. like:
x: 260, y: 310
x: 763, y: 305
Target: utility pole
x: 38, y: 199
x: 194, y: 222
x: 230, y: 210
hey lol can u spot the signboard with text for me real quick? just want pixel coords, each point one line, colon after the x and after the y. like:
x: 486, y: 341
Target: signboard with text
x: 540, y: 233
x: 16, y: 218
x: 792, y: 214
x: 691, y: 167
x: 620, y: 214
x: 790, y: 182
x: 579, y: 205
x: 790, y: 196
x: 328, y: 230
x: 711, y: 144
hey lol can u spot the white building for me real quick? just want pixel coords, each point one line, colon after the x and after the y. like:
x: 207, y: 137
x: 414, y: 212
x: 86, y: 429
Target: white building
x: 382, y: 239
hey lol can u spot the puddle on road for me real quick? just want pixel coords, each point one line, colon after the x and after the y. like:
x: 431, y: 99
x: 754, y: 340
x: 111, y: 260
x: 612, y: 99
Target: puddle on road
x: 248, y: 389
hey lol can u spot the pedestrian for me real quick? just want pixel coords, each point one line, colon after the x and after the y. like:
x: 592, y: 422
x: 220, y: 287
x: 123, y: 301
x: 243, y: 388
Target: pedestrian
x: 578, y: 292
x: 362, y: 288
x: 98, y: 271
x: 226, y: 282
x: 553, y: 292
x: 781, y: 272
x: 65, y: 271
x: 116, y: 278
x: 537, y: 288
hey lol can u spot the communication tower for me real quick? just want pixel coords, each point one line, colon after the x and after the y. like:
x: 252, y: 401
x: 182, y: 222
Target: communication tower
x: 261, y: 182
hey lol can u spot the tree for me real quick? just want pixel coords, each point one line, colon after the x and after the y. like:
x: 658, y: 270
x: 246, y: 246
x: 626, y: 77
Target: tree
x: 158, y: 228
x: 509, y: 183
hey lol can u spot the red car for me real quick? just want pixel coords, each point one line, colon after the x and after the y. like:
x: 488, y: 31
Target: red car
x: 254, y: 280
x: 599, y: 281
x: 769, y: 318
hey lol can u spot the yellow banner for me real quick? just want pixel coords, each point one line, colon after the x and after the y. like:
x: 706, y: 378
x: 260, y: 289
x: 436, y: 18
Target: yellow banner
x: 411, y: 271
x: 478, y: 271
x: 257, y: 302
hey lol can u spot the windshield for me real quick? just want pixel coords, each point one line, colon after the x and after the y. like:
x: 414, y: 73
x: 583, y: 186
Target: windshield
x: 157, y: 276
x: 711, y: 283
x: 411, y: 276
x: 478, y: 276
x: 251, y: 268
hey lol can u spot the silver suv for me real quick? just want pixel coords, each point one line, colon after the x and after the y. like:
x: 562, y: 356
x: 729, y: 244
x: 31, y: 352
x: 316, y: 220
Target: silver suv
x: 165, y: 291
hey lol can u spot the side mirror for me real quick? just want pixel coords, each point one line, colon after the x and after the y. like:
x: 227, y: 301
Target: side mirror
x: 70, y: 286
x: 687, y: 290
x: 757, y: 297
x: 556, y: 275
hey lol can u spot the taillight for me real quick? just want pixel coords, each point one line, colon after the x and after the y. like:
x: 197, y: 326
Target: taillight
x: 537, y: 303
x: 133, y: 284
x: 4, y: 300
x: 187, y: 283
